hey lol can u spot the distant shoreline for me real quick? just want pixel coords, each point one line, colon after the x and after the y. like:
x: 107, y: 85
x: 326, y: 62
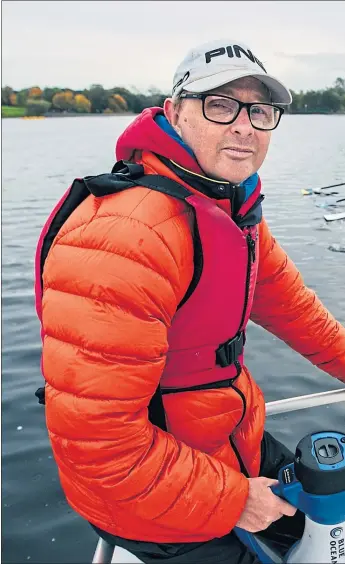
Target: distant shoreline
x: 121, y: 114
x: 66, y: 102
x: 76, y: 114
x: 314, y: 113
x: 4, y: 115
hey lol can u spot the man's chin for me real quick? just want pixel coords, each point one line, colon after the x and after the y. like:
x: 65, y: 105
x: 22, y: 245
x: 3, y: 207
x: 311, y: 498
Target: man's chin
x: 237, y: 177
x: 234, y: 171
x: 230, y: 172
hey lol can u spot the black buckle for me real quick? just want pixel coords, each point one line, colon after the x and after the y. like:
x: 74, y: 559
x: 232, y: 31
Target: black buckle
x: 40, y: 394
x: 228, y: 352
x: 130, y: 171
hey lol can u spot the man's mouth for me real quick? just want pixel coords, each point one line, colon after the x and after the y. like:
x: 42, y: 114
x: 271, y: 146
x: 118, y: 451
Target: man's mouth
x: 239, y: 152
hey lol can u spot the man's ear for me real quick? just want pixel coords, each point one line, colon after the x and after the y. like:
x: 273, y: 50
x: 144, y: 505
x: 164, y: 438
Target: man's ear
x: 171, y: 112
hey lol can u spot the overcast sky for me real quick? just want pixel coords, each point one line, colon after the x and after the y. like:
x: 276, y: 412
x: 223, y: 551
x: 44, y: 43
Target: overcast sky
x: 76, y: 44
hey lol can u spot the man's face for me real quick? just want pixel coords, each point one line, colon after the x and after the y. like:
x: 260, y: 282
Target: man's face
x: 230, y: 152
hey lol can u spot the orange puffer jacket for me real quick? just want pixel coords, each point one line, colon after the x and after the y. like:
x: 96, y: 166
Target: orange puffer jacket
x: 112, y: 282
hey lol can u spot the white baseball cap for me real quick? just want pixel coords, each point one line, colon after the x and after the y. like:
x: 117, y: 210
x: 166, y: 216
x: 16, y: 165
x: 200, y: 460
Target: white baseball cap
x: 216, y: 63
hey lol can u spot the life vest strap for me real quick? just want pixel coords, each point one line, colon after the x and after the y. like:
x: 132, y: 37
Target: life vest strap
x: 229, y: 352
x: 41, y: 395
x: 127, y: 175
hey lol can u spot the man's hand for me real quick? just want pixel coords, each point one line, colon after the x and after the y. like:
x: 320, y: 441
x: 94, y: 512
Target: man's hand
x: 262, y: 506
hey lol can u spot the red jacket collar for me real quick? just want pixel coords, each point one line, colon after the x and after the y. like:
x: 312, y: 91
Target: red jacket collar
x: 145, y: 135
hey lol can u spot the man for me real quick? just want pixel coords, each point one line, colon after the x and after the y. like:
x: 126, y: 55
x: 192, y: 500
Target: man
x: 144, y: 289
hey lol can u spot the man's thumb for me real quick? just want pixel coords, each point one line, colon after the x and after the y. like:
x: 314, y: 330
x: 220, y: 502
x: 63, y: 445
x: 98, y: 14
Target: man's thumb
x: 269, y: 482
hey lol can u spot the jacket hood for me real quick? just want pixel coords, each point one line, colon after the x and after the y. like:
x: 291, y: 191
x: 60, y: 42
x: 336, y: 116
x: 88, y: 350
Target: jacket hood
x: 145, y: 134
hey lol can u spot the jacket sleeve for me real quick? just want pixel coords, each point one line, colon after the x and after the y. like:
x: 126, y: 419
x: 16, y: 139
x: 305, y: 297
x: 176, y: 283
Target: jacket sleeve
x: 111, y: 288
x: 287, y: 308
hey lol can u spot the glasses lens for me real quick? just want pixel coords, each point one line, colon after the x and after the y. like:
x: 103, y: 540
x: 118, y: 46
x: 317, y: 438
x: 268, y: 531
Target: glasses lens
x: 221, y: 110
x: 264, y: 116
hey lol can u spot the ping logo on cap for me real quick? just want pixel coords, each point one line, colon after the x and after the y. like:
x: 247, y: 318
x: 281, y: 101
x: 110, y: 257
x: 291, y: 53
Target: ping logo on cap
x: 234, y: 50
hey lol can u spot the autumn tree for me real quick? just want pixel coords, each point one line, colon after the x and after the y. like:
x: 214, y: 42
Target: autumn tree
x: 126, y: 94
x: 81, y: 104
x: 113, y: 104
x: 13, y: 99
x: 35, y: 93
x: 63, y: 100
x: 135, y: 101
x: 121, y: 102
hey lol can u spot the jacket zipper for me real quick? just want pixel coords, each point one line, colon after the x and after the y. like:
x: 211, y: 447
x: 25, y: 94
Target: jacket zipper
x: 238, y: 456
x: 251, y: 260
x: 231, y: 438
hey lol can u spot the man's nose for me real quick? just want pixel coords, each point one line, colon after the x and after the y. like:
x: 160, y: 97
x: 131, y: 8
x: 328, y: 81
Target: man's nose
x: 242, y: 125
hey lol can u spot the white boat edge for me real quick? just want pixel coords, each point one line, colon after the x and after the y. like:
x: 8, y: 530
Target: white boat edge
x: 334, y: 216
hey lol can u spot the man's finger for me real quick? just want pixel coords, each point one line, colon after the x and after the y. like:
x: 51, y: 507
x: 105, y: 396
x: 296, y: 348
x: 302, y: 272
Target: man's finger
x: 270, y: 482
x: 287, y: 508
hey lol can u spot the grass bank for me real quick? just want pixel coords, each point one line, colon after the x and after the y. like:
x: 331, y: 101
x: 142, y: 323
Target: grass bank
x: 12, y: 111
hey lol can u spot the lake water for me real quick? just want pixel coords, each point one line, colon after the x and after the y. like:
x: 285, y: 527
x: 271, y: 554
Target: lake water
x: 40, y: 159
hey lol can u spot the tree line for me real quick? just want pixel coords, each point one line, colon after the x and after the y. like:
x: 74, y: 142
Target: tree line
x: 328, y: 101
x: 35, y: 101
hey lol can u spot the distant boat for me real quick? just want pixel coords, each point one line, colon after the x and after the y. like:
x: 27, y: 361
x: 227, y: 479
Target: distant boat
x: 334, y: 216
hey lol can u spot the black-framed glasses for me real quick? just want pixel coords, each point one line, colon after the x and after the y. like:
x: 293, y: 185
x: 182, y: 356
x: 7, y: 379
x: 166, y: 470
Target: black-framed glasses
x: 225, y: 110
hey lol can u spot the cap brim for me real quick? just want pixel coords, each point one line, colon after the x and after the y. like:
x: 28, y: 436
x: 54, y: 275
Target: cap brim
x: 280, y: 94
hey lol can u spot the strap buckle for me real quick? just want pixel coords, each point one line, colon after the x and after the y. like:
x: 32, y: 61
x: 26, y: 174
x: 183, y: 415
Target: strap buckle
x: 228, y: 352
x: 40, y: 395
x: 127, y: 170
